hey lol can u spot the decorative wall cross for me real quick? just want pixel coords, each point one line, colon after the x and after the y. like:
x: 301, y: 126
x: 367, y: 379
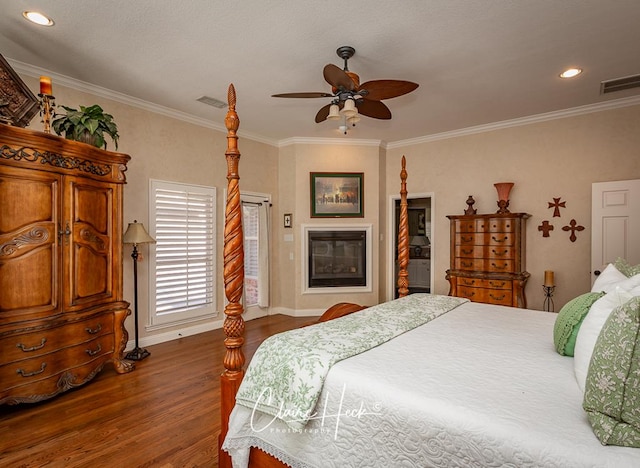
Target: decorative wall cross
x: 556, y: 205
x: 573, y: 227
x: 545, y: 227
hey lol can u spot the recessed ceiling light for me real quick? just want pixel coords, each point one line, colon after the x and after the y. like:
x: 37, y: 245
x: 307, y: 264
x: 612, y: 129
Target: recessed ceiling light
x: 38, y: 18
x: 571, y: 72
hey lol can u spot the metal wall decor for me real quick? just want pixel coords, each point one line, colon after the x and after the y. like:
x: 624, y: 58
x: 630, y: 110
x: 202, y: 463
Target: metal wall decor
x: 573, y: 227
x: 556, y: 205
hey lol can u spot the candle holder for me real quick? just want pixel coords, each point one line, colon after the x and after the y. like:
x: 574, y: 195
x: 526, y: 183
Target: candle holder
x: 548, y: 304
x: 47, y: 105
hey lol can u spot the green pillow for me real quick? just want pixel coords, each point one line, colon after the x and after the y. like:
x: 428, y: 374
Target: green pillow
x: 569, y: 320
x: 612, y: 391
x: 627, y: 270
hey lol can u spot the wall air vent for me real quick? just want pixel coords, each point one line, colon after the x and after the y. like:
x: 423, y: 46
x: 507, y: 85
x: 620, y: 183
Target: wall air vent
x: 212, y: 102
x: 619, y: 84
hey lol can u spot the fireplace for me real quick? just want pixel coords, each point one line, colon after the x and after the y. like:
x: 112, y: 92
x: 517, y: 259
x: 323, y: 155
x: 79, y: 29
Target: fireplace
x: 337, y: 258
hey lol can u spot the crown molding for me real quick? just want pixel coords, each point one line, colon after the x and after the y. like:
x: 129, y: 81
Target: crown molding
x: 78, y: 85
x: 532, y: 119
x: 329, y: 141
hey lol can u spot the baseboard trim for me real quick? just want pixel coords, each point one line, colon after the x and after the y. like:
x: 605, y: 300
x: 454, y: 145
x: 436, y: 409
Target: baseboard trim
x: 218, y: 323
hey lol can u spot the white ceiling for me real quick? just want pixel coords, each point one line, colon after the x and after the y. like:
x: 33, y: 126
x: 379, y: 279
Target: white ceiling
x: 476, y: 61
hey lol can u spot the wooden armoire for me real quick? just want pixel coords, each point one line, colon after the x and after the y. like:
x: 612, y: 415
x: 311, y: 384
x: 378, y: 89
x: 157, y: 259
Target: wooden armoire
x: 61, y: 303
x: 488, y: 258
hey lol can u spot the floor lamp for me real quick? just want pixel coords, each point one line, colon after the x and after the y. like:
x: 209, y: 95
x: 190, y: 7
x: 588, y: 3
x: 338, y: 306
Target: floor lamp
x: 136, y: 234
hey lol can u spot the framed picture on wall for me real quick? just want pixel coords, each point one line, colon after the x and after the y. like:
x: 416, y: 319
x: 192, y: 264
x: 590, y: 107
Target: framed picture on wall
x: 417, y: 221
x: 337, y: 195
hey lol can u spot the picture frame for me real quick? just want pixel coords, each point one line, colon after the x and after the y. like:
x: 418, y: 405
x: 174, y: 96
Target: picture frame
x: 416, y: 221
x: 287, y: 220
x: 18, y: 105
x: 337, y: 194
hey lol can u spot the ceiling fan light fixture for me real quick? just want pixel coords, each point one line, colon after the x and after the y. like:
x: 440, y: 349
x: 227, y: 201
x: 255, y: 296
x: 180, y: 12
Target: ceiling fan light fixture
x: 334, y: 112
x: 353, y: 120
x: 349, y: 109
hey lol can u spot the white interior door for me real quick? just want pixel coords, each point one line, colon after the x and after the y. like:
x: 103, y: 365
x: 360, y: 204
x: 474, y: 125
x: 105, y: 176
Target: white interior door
x: 615, y: 221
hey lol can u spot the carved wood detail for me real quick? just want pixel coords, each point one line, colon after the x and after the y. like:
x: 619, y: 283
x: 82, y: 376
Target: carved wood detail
x: 65, y: 321
x: 403, y: 234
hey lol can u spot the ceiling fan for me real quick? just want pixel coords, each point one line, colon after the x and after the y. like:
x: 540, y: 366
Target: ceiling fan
x: 350, y: 97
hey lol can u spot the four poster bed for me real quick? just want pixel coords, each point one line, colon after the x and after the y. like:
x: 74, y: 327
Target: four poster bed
x: 424, y: 380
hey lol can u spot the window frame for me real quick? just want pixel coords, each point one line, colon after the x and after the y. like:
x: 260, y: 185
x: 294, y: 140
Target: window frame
x: 161, y: 320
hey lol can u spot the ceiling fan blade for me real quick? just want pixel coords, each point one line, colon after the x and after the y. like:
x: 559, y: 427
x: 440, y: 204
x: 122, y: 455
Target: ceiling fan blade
x: 302, y: 95
x: 338, y: 78
x: 322, y: 114
x: 375, y: 109
x: 387, y: 89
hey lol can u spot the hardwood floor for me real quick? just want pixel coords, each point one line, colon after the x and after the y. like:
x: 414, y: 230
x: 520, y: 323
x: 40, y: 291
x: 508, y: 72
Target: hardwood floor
x: 164, y: 414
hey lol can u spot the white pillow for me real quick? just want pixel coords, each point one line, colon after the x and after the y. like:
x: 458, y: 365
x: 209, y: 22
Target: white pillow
x: 590, y: 329
x: 608, y: 279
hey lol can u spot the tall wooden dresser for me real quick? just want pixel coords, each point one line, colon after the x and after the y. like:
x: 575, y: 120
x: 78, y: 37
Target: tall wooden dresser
x: 61, y: 308
x: 488, y: 258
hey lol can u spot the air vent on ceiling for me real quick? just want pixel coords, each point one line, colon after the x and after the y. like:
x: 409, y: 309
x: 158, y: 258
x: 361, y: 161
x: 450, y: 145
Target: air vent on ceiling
x: 212, y: 102
x: 618, y: 84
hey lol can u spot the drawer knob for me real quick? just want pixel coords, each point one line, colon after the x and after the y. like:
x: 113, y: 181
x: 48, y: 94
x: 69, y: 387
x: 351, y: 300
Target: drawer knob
x: 32, y: 348
x: 496, y: 298
x: 94, y: 352
x: 503, y: 267
x: 499, y: 254
x: 93, y: 331
x: 31, y: 374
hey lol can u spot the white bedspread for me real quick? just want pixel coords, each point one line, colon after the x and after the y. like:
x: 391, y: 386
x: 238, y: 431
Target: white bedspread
x: 478, y: 387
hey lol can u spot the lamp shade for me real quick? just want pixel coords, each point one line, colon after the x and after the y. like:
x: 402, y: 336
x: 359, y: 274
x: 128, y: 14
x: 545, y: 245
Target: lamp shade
x: 353, y: 120
x: 349, y: 109
x: 137, y: 234
x: 334, y: 112
x: 419, y: 241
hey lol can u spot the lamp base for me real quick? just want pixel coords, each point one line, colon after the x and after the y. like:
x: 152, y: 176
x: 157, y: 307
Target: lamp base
x: 137, y: 354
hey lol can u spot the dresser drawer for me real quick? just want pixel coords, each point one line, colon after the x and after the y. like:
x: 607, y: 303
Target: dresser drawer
x: 488, y: 296
x: 36, y: 368
x: 469, y: 264
x: 499, y: 225
x: 499, y: 265
x: 499, y: 238
x: 49, y: 340
x: 484, y: 251
x: 483, y: 283
x: 468, y: 225
x: 489, y: 265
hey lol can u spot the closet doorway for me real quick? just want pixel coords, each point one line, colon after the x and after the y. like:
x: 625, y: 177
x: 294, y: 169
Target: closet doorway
x: 420, y: 269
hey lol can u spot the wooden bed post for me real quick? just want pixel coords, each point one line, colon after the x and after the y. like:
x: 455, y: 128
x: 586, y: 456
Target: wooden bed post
x: 233, y: 280
x: 403, y: 235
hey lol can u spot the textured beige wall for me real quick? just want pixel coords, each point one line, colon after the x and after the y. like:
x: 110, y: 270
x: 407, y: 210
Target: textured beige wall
x: 333, y: 158
x: 553, y: 159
